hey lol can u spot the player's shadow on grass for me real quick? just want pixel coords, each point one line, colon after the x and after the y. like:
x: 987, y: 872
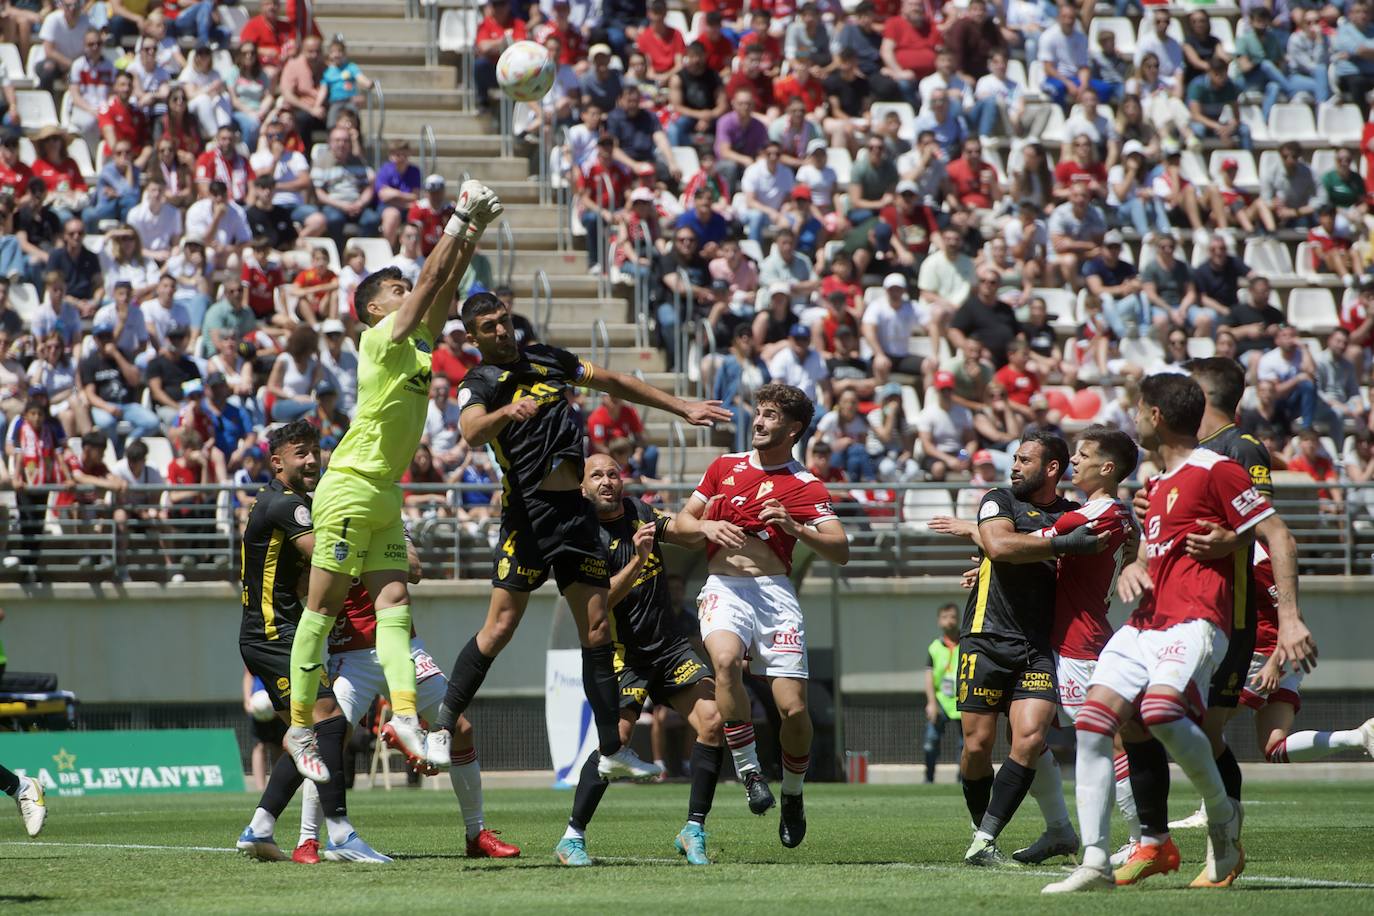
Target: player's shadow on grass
x: 23, y: 898
x: 520, y: 863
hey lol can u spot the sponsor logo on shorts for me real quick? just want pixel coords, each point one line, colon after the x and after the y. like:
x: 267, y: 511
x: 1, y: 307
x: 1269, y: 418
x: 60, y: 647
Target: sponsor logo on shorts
x: 284, y: 686
x: 1070, y: 692
x: 684, y: 672
x: 1036, y: 680
x: 988, y: 695
x: 1176, y: 652
x: 340, y: 551
x: 395, y: 551
x: 963, y: 691
x: 635, y: 693
x: 788, y: 641
x: 594, y: 566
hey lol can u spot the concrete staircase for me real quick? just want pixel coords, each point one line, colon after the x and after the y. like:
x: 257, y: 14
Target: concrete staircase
x: 390, y: 48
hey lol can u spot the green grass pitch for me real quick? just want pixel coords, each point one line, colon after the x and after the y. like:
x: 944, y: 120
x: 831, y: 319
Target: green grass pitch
x: 869, y: 849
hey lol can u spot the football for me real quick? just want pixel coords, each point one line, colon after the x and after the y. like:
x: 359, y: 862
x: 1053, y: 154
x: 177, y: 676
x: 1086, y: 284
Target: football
x: 525, y: 71
x: 262, y: 706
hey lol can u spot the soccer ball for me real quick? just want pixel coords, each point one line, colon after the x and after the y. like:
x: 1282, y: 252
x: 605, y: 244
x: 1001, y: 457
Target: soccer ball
x: 526, y: 71
x: 262, y: 706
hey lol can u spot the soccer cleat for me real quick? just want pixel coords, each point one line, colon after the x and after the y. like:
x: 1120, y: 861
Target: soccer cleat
x: 1367, y: 736
x: 489, y: 845
x: 792, y: 823
x: 305, y: 752
x: 985, y: 854
x: 1120, y: 857
x: 691, y: 842
x: 572, y: 850
x: 756, y: 790
x: 1145, y: 861
x: 478, y: 204
x: 354, y: 849
x: 625, y: 764
x: 438, y: 751
x: 1225, y: 858
x: 32, y: 805
x: 403, y: 734
x: 1082, y: 878
x: 308, y: 853
x: 1193, y: 821
x: 262, y: 848
x: 1048, y: 846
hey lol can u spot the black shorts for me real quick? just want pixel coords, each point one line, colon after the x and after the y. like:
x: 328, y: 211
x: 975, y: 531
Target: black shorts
x: 1228, y: 682
x: 270, y: 732
x: 556, y: 530
x: 673, y: 671
x: 995, y: 671
x: 270, y: 662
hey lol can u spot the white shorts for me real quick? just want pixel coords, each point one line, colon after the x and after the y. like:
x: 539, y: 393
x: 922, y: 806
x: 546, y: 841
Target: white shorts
x: 1183, y: 657
x: 357, y: 678
x: 1289, y: 690
x: 763, y: 612
x: 1074, y: 676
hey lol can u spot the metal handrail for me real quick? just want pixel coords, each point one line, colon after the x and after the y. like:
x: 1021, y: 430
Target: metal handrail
x: 374, y: 117
x: 644, y: 252
x: 544, y: 130
x: 429, y: 151
x: 542, y: 292
x: 682, y: 348
x: 468, y: 54
x: 305, y: 20
x: 705, y: 338
x: 601, y: 342
x: 505, y: 254
x: 603, y: 233
x: 677, y: 449
x: 563, y: 194
x: 430, y: 8
x: 507, y: 113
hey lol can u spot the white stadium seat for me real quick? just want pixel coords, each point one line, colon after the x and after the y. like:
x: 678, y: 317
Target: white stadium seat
x: 35, y: 107
x: 838, y: 158
x: 1221, y: 28
x: 904, y: 111
x: 14, y: 66
x: 1312, y: 310
x: 456, y: 30
x: 1268, y: 256
x: 1118, y: 25
x: 1340, y: 124
x: 377, y: 251
x: 328, y: 245
x: 687, y: 160
x: 1292, y: 122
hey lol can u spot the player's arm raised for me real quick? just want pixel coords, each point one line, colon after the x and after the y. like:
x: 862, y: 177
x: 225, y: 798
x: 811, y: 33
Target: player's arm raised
x: 1295, y: 642
x: 827, y: 538
x: 624, y: 580
x: 629, y: 388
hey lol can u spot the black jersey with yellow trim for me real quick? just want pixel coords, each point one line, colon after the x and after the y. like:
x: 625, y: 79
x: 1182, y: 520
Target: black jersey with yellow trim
x: 527, y: 451
x: 642, y: 625
x: 1014, y: 600
x: 272, y: 563
x: 1245, y: 450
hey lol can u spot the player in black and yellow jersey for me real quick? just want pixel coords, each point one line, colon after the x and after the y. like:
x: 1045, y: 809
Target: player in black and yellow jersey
x: 652, y: 659
x: 277, y: 542
x: 517, y: 403
x: 1005, y: 660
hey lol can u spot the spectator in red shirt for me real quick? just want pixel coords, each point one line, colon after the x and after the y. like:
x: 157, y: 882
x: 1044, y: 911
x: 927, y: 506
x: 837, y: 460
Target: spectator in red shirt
x: 223, y: 162
x: 909, y: 45
x: 1080, y: 165
x: 820, y: 464
x: 59, y: 172
x: 803, y: 82
x: 841, y: 280
x: 972, y: 39
x: 431, y: 212
x: 14, y: 174
x: 1017, y: 378
x: 753, y: 78
x: 661, y: 44
x: 498, y: 30
x: 976, y: 188
x: 720, y: 50
x: 597, y: 204
x: 120, y: 119
x: 261, y: 275
x: 1313, y: 461
x: 271, y: 34
x: 191, y: 467
x: 617, y: 419
x: 571, y: 43
x: 451, y: 360
x: 759, y: 36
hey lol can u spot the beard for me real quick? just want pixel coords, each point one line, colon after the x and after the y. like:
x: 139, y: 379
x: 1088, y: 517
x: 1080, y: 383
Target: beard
x: 1023, y: 489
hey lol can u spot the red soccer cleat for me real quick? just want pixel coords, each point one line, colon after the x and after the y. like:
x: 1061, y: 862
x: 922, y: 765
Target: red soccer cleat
x: 308, y: 853
x: 1148, y: 860
x: 489, y: 845
x: 394, y: 741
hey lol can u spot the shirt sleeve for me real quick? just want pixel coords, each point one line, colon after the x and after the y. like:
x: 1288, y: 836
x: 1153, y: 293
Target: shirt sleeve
x: 1254, y: 457
x: 996, y: 504
x: 710, y: 482
x: 475, y: 390
x: 1241, y: 504
x: 578, y: 371
x: 291, y: 515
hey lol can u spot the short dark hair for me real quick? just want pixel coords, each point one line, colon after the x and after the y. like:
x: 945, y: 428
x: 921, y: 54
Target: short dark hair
x: 94, y: 439
x: 1222, y: 381
x: 301, y: 432
x: 1178, y: 398
x: 136, y: 451
x: 369, y: 288
x: 1052, y: 448
x: 477, y: 305
x: 1115, y: 445
x: 947, y: 606
x: 795, y: 405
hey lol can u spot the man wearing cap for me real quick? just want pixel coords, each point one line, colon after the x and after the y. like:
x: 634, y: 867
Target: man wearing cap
x: 170, y: 373
x: 798, y: 365
x: 711, y: 228
x: 431, y: 211
x: 697, y: 95
x: 887, y: 326
x: 340, y: 364
x: 1116, y: 286
x: 601, y: 85
x: 946, y: 431
x: 985, y: 318
x: 110, y: 382
x: 1076, y: 230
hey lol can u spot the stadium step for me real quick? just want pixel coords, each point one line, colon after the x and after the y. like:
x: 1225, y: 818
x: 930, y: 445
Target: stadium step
x: 442, y: 104
x: 363, y: 30
x: 531, y: 216
x: 630, y: 359
x: 371, y: 9
x: 379, y: 50
x: 411, y: 77
x: 577, y: 336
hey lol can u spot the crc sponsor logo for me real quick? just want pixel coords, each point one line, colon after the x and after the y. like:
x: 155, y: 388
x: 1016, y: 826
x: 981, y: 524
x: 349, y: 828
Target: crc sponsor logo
x: 1249, y: 500
x: 684, y: 672
x: 788, y: 641
x: 1036, y: 680
x: 1175, y: 652
x: 1071, y: 693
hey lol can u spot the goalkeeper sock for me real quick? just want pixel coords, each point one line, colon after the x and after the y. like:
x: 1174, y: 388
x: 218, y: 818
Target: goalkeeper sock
x: 307, y: 664
x: 1149, y: 775
x: 393, y: 654
x: 469, y: 671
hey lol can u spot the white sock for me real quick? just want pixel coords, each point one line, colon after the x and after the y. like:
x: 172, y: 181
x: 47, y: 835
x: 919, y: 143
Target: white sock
x: 1303, y: 747
x: 794, y: 772
x: 312, y: 812
x: 1093, y: 778
x: 339, y: 829
x: 467, y: 785
x: 572, y: 833
x: 1048, y: 791
x: 1125, y: 798
x: 262, y: 824
x: 1191, y: 750
x: 740, y: 738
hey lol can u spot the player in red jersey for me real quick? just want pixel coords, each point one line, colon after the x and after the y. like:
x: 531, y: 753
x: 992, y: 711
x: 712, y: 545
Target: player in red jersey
x: 357, y: 678
x: 1164, y: 657
x: 754, y: 507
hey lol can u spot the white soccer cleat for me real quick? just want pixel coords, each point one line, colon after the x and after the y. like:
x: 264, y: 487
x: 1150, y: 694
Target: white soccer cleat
x: 1367, y: 735
x: 1193, y: 821
x: 262, y: 848
x: 33, y: 807
x: 403, y: 733
x: 354, y: 849
x: 478, y: 204
x: 625, y: 764
x: 305, y: 753
x: 439, y: 749
x: 1120, y: 857
x: 1225, y: 858
x: 1082, y: 878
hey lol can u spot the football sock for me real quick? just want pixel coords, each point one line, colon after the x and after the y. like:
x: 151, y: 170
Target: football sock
x: 1094, y: 773
x: 740, y: 737
x: 307, y: 653
x: 1167, y: 718
x: 1302, y: 747
x: 393, y: 654
x: 9, y: 781
x: 1009, y: 789
x: 469, y: 671
x: 1149, y: 776
x: 312, y: 812
x: 602, y: 686
x: 793, y: 772
x: 282, y: 784
x: 976, y: 795
x: 1048, y: 790
x: 1229, y: 769
x: 465, y: 773
x: 330, y: 735
x: 706, y: 761
x: 587, y: 795
x: 1125, y: 800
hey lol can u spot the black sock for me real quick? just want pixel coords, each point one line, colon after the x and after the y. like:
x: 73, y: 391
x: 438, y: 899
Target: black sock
x: 469, y: 671
x: 1150, y: 785
x: 590, y: 788
x: 9, y: 781
x: 330, y: 735
x: 976, y: 795
x: 1008, y: 791
x: 602, y: 686
x: 282, y: 784
x: 1230, y: 772
x: 706, y: 763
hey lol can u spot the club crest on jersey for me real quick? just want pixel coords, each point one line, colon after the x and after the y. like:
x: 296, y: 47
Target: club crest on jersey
x: 302, y: 516
x: 340, y: 551
x: 1170, y: 500
x: 764, y: 489
x: 422, y: 346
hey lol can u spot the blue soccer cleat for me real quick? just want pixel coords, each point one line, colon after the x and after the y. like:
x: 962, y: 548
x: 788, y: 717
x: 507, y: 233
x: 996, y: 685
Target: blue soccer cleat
x: 262, y: 848
x: 354, y: 849
x: 572, y: 851
x: 691, y: 842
